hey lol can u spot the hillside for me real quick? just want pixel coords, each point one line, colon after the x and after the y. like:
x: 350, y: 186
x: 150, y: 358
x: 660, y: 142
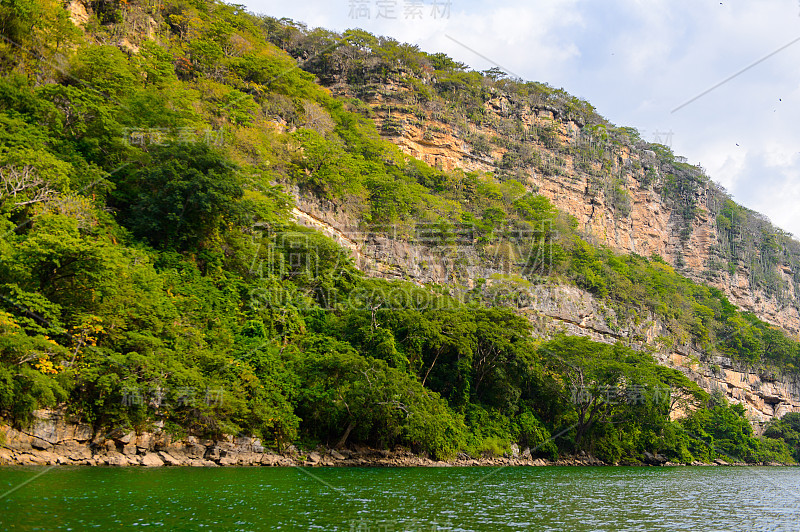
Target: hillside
x: 630, y: 195
x: 624, y: 193
x: 372, y: 245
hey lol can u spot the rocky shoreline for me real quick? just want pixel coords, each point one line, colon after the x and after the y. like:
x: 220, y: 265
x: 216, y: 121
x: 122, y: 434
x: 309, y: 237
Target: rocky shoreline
x: 52, y: 440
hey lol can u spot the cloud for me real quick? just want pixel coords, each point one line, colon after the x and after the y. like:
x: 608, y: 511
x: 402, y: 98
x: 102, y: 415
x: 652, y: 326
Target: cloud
x: 770, y: 184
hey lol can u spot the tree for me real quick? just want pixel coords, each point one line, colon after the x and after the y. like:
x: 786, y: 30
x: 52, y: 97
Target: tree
x: 104, y: 69
x: 616, y: 400
x: 179, y: 195
x: 786, y: 429
x: 344, y: 396
x: 156, y: 63
x: 23, y: 186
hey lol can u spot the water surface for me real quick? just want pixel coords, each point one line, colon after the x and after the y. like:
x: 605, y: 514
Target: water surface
x: 514, y: 498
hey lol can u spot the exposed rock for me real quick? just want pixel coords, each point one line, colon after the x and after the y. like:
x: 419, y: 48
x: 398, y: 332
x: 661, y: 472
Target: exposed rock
x: 25, y: 449
x: 246, y: 444
x: 144, y: 441
x: 74, y: 451
x: 213, y: 453
x: 127, y: 438
x: 161, y: 441
x: 336, y: 455
x: 653, y: 225
x: 195, y: 450
x: 83, y: 432
x: 230, y: 459
x: 169, y: 459
x: 38, y: 458
x: 129, y: 449
x: 7, y: 456
x: 78, y: 14
x: 313, y: 458
x: 203, y: 463
x: 249, y: 458
x: 151, y: 460
x: 654, y: 459
x: 551, y: 307
x: 269, y: 459
x: 291, y: 450
x: 117, y: 459
x: 38, y: 443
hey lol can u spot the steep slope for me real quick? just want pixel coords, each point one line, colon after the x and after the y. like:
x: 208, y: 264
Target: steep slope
x: 559, y: 309
x: 158, y: 163
x: 623, y: 194
x: 630, y: 195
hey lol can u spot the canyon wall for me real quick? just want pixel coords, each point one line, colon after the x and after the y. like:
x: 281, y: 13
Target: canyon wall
x: 652, y: 225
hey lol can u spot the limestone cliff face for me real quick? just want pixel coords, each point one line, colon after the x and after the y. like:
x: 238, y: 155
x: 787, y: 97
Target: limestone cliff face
x: 644, y: 223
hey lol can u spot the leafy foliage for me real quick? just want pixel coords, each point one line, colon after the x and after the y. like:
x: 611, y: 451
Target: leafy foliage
x: 150, y: 270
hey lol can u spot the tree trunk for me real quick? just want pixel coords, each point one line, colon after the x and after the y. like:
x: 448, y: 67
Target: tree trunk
x: 344, y: 437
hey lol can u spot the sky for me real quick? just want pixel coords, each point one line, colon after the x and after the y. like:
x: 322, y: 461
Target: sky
x: 718, y: 82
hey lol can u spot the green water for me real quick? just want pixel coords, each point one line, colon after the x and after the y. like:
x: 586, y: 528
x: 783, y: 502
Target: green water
x: 548, y: 498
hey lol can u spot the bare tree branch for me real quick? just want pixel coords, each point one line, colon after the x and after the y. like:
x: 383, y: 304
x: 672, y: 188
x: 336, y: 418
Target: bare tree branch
x: 23, y: 186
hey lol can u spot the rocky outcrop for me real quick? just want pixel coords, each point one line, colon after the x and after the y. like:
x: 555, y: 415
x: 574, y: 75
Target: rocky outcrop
x: 78, y: 14
x: 52, y: 439
x: 405, y: 253
x: 557, y: 308
x: 648, y: 225
x: 137, y: 26
x: 763, y: 397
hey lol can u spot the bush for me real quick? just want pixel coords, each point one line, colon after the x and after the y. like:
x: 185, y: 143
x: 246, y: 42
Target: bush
x: 492, y: 447
x: 534, y: 435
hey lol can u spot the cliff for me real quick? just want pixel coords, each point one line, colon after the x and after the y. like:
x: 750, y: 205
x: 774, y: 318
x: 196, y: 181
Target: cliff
x: 622, y: 194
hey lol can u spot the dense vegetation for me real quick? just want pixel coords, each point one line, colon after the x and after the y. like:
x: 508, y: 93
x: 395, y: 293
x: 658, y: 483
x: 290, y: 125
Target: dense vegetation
x: 150, y: 271
x: 786, y: 429
x: 438, y: 90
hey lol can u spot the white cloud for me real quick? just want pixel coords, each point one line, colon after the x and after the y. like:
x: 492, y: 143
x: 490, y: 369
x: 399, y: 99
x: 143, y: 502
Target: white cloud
x: 771, y: 182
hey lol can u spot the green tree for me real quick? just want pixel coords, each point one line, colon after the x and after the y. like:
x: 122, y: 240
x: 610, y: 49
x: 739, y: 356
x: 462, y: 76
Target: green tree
x: 786, y: 429
x: 179, y: 196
